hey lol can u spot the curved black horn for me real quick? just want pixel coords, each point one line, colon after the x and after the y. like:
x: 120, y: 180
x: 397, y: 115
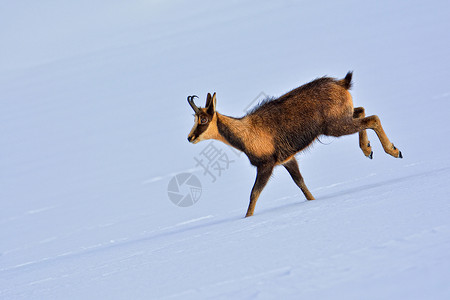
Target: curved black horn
x: 190, y: 99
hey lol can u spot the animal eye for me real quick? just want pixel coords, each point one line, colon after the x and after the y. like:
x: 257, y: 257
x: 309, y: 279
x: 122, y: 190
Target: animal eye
x: 203, y: 120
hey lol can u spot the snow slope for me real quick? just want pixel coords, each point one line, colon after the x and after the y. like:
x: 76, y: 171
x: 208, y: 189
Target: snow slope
x: 94, y: 123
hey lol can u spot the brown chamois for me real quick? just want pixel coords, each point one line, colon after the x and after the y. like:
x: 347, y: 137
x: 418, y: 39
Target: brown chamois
x: 274, y: 131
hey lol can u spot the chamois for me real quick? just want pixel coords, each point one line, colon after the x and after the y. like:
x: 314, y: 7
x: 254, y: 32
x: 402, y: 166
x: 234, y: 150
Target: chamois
x: 274, y: 131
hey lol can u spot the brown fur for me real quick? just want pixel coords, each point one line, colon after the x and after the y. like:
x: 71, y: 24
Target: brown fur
x: 273, y: 132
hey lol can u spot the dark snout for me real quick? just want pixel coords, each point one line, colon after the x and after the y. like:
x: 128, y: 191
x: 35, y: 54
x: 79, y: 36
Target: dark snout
x: 190, y: 139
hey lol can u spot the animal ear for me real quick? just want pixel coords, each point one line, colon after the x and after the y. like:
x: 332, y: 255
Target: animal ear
x: 211, y: 104
x: 208, y: 100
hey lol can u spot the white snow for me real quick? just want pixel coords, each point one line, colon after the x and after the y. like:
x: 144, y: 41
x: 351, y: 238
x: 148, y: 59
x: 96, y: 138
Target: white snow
x: 94, y: 122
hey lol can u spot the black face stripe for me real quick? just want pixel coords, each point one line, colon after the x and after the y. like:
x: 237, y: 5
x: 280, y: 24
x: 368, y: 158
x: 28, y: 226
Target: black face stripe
x: 200, y: 129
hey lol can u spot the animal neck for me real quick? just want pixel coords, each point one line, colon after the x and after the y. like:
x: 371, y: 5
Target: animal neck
x: 232, y: 131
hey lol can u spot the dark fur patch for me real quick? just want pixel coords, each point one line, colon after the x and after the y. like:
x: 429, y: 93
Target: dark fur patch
x: 234, y: 140
x: 239, y: 144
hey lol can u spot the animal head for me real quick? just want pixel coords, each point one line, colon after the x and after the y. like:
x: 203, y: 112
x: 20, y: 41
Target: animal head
x: 205, y: 126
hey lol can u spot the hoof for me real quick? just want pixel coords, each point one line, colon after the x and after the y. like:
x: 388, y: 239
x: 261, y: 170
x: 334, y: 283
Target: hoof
x: 370, y: 155
x: 400, y: 154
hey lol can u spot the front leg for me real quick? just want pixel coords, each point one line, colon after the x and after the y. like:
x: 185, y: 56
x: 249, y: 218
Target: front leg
x: 262, y: 177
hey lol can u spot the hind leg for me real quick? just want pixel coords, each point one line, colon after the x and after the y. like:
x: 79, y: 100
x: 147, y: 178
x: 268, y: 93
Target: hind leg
x: 364, y: 143
x: 349, y: 126
x: 373, y: 122
x: 292, y: 167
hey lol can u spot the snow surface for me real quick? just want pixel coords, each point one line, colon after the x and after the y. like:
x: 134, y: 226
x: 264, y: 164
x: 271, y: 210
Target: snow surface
x: 94, y: 121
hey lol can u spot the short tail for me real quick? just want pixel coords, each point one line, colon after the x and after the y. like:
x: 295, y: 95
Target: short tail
x: 346, y: 83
